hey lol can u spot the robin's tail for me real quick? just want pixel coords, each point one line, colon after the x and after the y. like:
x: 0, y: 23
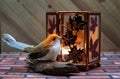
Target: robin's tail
x: 11, y: 41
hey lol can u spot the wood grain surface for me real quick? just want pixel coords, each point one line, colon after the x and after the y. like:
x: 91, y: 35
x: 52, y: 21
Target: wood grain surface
x: 26, y: 19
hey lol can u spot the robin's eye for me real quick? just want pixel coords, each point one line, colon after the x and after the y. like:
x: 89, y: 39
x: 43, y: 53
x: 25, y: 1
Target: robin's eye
x: 54, y: 39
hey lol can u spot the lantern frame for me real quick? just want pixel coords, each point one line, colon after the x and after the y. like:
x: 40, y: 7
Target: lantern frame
x: 92, y: 33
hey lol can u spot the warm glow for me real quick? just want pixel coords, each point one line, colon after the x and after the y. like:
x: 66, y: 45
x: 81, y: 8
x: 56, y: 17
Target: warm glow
x: 65, y: 50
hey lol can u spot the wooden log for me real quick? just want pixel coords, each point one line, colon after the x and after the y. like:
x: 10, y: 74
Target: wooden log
x: 52, y: 67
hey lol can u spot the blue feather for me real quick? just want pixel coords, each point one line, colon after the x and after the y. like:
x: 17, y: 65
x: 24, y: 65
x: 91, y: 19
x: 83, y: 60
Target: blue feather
x: 10, y: 41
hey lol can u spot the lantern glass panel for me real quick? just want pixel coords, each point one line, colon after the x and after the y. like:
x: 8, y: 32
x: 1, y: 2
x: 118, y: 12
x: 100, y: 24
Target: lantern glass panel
x: 94, y: 44
x: 72, y: 30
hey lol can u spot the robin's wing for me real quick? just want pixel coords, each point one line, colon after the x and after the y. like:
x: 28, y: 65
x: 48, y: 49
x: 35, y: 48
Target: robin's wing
x: 39, y: 52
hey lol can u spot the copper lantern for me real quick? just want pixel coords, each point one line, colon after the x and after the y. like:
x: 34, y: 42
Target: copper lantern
x: 80, y: 31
